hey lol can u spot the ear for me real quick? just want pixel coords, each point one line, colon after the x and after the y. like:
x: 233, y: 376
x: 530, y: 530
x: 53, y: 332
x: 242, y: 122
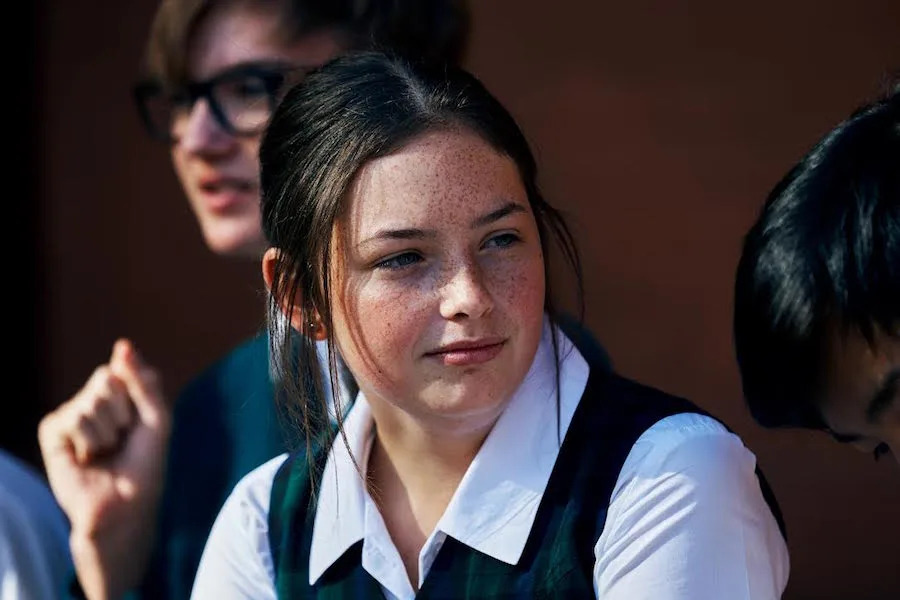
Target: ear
x: 309, y: 325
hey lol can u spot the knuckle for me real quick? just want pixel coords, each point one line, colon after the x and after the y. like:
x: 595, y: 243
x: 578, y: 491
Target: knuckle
x: 90, y: 407
x: 102, y: 373
x: 84, y: 422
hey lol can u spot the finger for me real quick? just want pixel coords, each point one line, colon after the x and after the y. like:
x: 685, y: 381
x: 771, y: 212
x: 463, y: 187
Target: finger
x: 52, y: 438
x: 59, y: 430
x: 107, y: 397
x: 104, y: 401
x: 108, y: 430
x: 142, y: 382
x: 88, y: 439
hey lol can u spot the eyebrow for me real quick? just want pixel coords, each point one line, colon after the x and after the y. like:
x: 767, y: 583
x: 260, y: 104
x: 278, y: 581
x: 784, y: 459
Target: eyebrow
x: 506, y: 210
x: 413, y: 233
x: 884, y: 398
x: 262, y: 63
x: 249, y: 67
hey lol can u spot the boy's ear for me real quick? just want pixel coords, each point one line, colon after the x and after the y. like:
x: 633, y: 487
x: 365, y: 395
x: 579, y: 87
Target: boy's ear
x: 309, y: 325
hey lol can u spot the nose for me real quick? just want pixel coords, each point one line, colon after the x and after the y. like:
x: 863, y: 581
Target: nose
x: 199, y: 132
x: 464, y: 295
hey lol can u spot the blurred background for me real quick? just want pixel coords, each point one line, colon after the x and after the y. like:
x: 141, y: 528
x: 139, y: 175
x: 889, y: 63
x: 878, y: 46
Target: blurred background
x: 659, y: 126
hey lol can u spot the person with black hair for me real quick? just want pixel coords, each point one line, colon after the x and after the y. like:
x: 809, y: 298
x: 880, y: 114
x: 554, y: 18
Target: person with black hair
x: 486, y: 455
x: 817, y: 288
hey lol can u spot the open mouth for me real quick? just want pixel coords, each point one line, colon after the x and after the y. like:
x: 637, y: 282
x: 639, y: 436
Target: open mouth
x: 217, y: 186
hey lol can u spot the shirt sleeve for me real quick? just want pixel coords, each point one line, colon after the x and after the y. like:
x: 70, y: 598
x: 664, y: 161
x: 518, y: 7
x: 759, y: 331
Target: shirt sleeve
x: 688, y: 521
x: 29, y: 557
x: 236, y: 563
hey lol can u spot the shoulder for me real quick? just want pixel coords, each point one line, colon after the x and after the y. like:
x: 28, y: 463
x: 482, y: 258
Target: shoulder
x: 232, y: 399
x: 34, y: 547
x: 23, y: 487
x: 28, y: 531
x: 250, y: 357
x: 654, y: 432
x: 688, y: 499
x: 250, y: 497
x: 699, y: 449
x: 237, y: 558
x: 676, y: 431
x: 226, y: 417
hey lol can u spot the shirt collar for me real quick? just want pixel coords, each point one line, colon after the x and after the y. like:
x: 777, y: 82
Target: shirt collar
x: 494, y: 507
x: 340, y: 509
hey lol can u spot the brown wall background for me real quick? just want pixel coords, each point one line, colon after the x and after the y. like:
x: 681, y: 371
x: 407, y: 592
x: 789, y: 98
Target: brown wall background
x: 660, y: 127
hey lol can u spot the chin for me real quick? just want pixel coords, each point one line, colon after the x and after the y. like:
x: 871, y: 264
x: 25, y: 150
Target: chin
x: 470, y: 398
x: 234, y: 244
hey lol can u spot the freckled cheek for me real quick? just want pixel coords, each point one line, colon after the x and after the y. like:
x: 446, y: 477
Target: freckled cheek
x: 392, y: 322
x: 518, y: 285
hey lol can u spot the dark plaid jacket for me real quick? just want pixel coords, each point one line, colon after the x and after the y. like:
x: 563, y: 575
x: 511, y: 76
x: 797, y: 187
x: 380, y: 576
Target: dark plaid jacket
x: 559, y: 555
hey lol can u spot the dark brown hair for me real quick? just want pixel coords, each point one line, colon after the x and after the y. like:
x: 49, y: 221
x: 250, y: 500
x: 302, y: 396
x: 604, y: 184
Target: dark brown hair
x: 435, y: 30
x: 353, y: 110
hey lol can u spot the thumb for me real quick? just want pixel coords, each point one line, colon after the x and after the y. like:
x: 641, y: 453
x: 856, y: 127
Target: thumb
x: 142, y: 382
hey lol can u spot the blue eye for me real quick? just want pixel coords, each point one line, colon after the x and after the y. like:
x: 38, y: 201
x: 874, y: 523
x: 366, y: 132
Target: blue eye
x: 502, y: 241
x: 399, y: 261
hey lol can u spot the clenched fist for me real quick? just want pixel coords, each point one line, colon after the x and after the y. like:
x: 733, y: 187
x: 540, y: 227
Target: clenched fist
x: 105, y: 452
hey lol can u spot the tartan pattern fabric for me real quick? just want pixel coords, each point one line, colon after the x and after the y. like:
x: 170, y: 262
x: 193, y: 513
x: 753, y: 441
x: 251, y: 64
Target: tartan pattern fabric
x: 558, y: 558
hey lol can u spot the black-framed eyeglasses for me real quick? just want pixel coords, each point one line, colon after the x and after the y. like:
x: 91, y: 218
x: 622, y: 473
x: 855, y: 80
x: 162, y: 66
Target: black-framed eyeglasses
x: 240, y: 98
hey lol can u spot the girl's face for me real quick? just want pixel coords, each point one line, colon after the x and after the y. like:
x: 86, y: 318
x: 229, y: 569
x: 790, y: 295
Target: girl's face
x: 438, y: 294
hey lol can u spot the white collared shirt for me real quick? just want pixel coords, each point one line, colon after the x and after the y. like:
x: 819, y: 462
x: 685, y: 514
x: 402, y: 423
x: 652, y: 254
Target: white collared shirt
x: 687, y: 519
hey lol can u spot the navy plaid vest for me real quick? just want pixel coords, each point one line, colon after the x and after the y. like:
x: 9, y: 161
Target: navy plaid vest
x: 558, y: 558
